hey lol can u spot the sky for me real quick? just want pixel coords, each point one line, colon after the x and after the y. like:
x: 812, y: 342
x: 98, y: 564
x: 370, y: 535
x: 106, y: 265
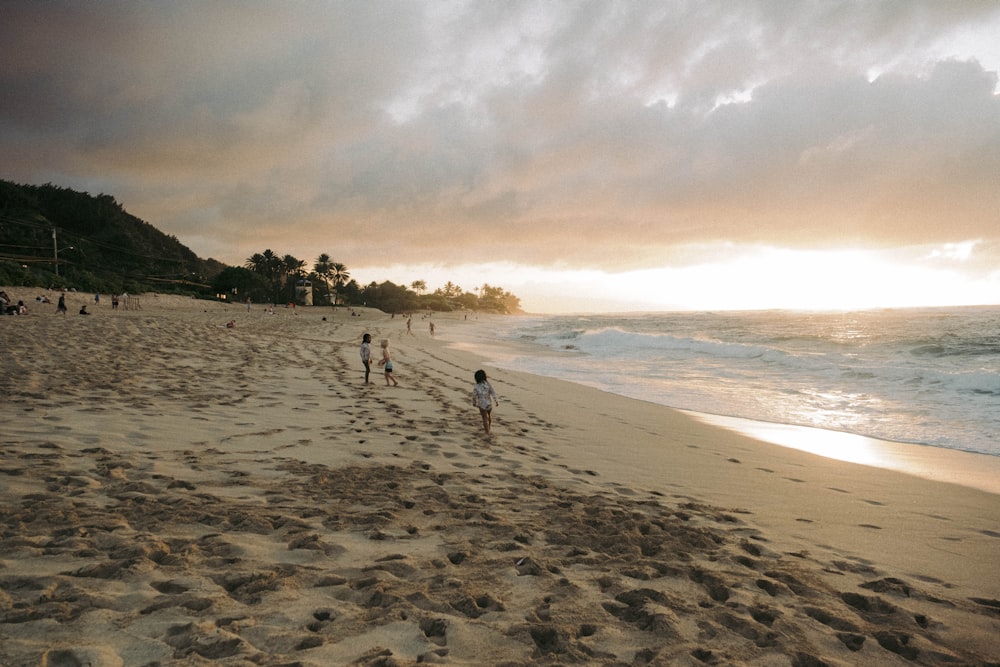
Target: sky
x: 585, y: 156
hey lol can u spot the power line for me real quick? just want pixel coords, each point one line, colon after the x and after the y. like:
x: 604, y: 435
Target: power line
x: 81, y: 239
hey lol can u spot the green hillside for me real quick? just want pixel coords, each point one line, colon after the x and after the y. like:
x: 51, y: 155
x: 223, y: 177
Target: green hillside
x: 57, y: 237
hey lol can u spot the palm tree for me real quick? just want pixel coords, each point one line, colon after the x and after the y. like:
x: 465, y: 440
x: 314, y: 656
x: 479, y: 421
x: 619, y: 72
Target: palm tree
x: 292, y: 268
x: 419, y: 286
x: 324, y: 269
x: 340, y: 274
x: 256, y: 263
x: 273, y: 266
x: 268, y: 265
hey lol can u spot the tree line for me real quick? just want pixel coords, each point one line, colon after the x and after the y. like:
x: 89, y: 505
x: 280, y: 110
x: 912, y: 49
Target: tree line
x: 55, y: 237
x: 269, y: 277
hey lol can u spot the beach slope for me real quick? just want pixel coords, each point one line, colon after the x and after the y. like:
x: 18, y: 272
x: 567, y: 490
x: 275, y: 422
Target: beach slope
x: 173, y: 491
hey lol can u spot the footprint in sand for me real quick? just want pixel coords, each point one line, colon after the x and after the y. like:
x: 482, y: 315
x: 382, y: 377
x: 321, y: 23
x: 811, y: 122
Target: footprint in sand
x: 87, y: 655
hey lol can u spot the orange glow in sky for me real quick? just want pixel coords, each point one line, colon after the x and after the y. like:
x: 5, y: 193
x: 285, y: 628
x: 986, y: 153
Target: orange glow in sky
x: 749, y: 279
x: 645, y: 155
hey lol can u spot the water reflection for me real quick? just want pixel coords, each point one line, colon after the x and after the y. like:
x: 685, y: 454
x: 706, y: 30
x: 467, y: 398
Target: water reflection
x: 831, y: 444
x: 977, y: 471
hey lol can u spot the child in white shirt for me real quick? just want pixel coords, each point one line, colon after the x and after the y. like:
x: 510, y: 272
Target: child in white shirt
x: 482, y: 393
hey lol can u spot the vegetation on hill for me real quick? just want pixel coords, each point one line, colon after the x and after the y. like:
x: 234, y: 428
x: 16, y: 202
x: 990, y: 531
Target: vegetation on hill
x: 59, y: 238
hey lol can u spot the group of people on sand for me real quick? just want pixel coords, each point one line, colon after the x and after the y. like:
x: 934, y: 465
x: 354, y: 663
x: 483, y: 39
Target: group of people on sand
x: 19, y: 308
x: 61, y: 308
x: 409, y: 326
x: 9, y: 308
x: 386, y: 361
x: 484, y: 397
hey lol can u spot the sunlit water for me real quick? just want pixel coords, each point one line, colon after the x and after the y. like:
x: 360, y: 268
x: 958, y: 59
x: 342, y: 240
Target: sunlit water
x: 927, y: 376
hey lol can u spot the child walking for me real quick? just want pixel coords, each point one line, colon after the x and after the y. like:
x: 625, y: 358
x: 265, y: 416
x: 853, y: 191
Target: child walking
x: 366, y: 354
x: 387, y: 362
x: 482, y: 393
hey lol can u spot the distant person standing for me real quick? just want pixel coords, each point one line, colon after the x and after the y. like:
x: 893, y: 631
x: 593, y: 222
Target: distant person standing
x: 61, y: 306
x: 97, y: 299
x: 114, y: 302
x: 432, y: 329
x: 483, y: 397
x: 387, y: 362
x: 366, y: 354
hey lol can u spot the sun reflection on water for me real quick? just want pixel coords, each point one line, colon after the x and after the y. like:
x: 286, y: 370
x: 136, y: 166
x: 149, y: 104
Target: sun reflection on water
x: 976, y: 471
x: 822, y: 442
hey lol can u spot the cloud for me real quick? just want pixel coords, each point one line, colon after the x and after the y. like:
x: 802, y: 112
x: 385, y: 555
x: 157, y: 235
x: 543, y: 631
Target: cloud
x: 582, y: 135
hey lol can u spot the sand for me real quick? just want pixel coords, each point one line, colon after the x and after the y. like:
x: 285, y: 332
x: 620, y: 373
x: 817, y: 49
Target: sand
x: 175, y: 492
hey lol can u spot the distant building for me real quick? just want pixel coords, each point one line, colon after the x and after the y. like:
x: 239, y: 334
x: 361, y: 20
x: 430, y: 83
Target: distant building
x: 304, y: 293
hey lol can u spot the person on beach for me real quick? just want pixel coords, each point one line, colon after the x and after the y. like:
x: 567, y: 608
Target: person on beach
x: 19, y: 309
x: 366, y: 354
x: 114, y: 302
x: 483, y: 397
x: 387, y: 362
x: 83, y: 310
x: 61, y: 306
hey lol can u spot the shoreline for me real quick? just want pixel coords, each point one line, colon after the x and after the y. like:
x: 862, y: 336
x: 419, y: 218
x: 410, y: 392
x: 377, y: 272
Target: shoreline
x: 970, y: 469
x: 178, y: 492
x: 976, y: 470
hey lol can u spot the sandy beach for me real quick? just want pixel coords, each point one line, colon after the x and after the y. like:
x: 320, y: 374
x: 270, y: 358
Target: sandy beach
x: 176, y: 492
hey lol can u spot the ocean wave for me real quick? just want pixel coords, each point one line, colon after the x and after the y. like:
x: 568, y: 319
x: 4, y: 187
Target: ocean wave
x: 907, y: 376
x: 613, y: 341
x: 957, y: 349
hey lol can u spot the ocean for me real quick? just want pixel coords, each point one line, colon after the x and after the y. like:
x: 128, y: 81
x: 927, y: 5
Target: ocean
x: 920, y: 376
